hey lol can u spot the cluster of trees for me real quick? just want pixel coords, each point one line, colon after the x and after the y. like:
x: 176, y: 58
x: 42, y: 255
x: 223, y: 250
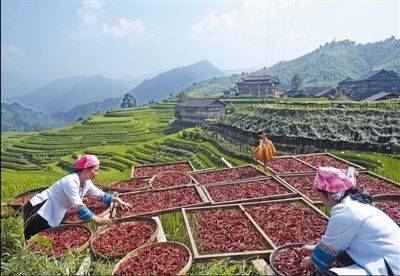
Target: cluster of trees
x: 128, y: 101
x: 325, y: 66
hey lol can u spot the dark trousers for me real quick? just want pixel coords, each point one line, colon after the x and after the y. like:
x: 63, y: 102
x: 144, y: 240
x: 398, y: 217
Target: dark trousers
x: 33, y: 222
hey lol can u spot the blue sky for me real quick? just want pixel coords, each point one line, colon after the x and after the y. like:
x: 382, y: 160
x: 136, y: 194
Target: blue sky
x: 133, y: 38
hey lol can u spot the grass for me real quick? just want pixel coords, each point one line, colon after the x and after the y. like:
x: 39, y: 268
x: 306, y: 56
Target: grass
x: 17, y: 259
x: 121, y: 138
x: 385, y: 165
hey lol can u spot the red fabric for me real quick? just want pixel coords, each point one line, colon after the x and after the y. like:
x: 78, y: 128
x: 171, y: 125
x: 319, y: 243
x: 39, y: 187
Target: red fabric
x: 86, y: 161
x: 333, y: 180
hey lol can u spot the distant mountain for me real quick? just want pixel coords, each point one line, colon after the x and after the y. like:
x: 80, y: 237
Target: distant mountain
x: 64, y: 94
x: 87, y: 109
x: 15, y: 117
x: 335, y: 61
x: 14, y: 83
x: 325, y: 66
x: 238, y: 71
x: 131, y: 82
x: 174, y: 80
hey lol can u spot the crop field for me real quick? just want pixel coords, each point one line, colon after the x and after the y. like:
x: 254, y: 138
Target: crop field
x: 373, y: 127
x: 122, y: 139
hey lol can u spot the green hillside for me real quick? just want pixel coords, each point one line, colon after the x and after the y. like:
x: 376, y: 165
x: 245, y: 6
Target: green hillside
x: 15, y: 117
x: 324, y: 66
x: 122, y: 139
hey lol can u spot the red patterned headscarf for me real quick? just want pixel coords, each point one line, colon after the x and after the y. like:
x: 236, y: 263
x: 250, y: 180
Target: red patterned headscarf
x: 86, y: 161
x: 334, y: 180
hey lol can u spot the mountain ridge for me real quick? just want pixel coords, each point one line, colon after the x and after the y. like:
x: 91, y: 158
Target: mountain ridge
x: 173, y: 80
x: 65, y: 94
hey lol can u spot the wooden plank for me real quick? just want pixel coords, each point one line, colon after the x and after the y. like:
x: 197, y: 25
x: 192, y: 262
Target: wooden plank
x: 258, y: 227
x: 245, y: 255
x: 160, y: 233
x: 85, y: 265
x: 203, y: 197
x: 229, y: 165
x: 236, y: 255
x: 190, y: 234
x: 262, y: 174
x: 262, y: 267
x: 356, y: 166
x: 291, y: 193
x: 289, y: 200
x: 270, y: 169
x: 281, y: 178
x: 201, y: 193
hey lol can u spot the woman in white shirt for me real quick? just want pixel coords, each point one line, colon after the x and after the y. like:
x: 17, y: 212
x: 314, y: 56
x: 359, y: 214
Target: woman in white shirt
x: 362, y: 239
x: 47, y: 209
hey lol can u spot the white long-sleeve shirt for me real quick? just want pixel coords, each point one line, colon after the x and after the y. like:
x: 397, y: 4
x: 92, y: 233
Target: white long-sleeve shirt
x: 367, y: 234
x: 62, y: 193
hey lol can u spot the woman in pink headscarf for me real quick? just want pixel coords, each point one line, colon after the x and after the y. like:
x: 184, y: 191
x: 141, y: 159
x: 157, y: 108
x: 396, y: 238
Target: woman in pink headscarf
x: 47, y: 209
x: 359, y: 237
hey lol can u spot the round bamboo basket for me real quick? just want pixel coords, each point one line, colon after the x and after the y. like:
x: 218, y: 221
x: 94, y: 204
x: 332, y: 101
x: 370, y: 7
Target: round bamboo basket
x: 183, y: 271
x: 78, y: 249
x: 17, y: 207
x: 279, y: 250
x: 167, y: 172
x: 122, y: 190
x: 104, y: 228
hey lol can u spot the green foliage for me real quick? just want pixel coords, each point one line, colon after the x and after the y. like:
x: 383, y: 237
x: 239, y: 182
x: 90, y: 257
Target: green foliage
x: 325, y: 66
x: 223, y: 267
x: 128, y: 101
x: 17, y: 259
x: 137, y: 136
x: 336, y: 61
x: 42, y: 240
x: 297, y: 81
x: 15, y: 117
x: 382, y: 164
x: 377, y: 127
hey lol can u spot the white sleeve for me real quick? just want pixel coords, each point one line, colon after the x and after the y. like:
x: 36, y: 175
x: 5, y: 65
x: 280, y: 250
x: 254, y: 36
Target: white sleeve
x: 71, y: 190
x: 342, y: 228
x: 93, y: 191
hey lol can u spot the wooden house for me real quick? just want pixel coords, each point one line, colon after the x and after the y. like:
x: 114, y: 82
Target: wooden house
x: 199, y: 110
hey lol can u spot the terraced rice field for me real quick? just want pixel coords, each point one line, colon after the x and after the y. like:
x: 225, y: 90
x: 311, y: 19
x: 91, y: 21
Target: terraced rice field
x: 121, y: 139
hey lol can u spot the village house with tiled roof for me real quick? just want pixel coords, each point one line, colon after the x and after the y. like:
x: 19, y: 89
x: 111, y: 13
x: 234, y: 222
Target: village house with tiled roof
x: 199, y: 110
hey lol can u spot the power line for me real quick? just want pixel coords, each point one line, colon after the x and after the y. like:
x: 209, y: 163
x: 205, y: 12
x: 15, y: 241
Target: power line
x: 274, y: 31
x: 290, y: 27
x: 268, y: 26
x: 282, y: 40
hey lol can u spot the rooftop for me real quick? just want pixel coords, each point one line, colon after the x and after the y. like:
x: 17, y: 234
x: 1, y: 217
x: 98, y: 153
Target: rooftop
x: 201, y: 102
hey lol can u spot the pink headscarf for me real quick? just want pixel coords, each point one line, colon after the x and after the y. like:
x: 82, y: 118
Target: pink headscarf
x: 86, y: 161
x: 334, y: 180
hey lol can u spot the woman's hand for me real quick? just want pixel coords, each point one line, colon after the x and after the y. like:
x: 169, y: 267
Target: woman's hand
x: 306, y: 263
x: 308, y: 248
x: 102, y: 221
x: 124, y: 205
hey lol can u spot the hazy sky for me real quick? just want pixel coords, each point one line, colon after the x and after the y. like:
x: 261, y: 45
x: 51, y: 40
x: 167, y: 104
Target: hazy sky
x: 133, y: 38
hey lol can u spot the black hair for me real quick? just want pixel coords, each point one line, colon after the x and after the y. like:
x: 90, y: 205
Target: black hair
x: 360, y: 195
x: 77, y: 171
x: 356, y: 194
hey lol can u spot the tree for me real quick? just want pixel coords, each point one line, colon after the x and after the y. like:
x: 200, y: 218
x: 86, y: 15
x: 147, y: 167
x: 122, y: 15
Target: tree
x: 128, y: 101
x: 182, y: 96
x: 297, y: 81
